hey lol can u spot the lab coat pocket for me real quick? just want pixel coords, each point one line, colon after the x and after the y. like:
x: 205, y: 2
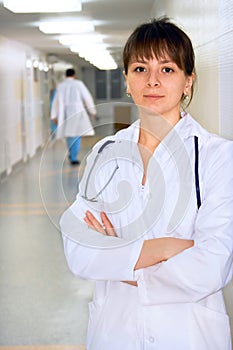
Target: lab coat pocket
x: 95, y: 312
x: 209, y: 329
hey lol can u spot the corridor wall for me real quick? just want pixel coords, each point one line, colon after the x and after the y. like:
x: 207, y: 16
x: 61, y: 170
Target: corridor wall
x: 209, y: 25
x: 22, y: 104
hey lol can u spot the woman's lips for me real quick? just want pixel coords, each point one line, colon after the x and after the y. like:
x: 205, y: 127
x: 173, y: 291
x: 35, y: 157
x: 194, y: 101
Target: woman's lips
x: 153, y: 96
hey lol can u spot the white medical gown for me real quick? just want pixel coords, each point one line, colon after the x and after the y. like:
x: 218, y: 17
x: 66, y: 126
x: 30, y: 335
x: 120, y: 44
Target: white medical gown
x: 178, y: 304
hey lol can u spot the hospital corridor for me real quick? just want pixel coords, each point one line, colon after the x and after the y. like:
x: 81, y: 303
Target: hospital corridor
x: 43, y: 306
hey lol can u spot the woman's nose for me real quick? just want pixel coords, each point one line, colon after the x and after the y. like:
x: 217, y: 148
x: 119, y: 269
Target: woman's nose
x: 153, y: 80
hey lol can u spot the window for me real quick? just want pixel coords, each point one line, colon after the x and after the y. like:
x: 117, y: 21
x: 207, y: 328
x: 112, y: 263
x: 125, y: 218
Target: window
x: 108, y: 84
x: 101, y: 84
x: 115, y: 83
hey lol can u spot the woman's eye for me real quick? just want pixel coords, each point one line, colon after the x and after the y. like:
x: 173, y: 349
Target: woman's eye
x: 168, y: 70
x: 139, y: 69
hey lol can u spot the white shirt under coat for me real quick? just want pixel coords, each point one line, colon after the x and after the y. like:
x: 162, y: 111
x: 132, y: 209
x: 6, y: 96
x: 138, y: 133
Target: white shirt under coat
x: 178, y: 304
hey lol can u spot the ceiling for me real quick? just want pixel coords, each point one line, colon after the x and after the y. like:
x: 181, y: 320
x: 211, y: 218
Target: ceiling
x: 113, y: 18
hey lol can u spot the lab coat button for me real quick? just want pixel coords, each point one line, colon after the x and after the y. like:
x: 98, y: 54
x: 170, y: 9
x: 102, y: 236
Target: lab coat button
x: 151, y: 339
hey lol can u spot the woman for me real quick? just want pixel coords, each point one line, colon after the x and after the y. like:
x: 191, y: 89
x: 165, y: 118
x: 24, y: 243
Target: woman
x: 152, y: 223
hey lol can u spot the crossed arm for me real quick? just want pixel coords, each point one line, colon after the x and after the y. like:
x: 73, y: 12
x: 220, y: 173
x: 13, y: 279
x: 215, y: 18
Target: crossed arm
x: 153, y: 251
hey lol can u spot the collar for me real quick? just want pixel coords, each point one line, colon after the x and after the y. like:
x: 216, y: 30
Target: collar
x: 185, y: 128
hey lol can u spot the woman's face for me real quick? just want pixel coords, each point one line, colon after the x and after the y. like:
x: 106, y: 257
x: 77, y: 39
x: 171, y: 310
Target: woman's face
x: 158, y: 85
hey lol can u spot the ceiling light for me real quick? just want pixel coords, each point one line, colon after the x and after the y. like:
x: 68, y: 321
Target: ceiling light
x: 87, y: 47
x: 35, y: 63
x: 87, y: 39
x: 30, y: 6
x: 61, y: 66
x: 97, y: 55
x: 28, y: 63
x: 103, y: 62
x: 67, y: 27
x: 41, y: 66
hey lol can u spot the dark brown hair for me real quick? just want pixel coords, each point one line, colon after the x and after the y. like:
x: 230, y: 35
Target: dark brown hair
x: 70, y: 72
x: 158, y: 38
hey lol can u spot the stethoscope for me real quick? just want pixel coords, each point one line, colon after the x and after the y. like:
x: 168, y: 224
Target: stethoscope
x: 94, y: 199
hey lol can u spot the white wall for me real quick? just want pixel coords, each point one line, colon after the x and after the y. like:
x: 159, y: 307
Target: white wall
x: 22, y: 106
x: 210, y: 27
x: 199, y: 19
x: 225, y: 44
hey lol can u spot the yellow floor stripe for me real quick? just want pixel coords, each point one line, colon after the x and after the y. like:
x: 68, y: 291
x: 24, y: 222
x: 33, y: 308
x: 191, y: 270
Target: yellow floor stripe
x: 31, y: 205
x: 11, y: 209
x: 71, y: 171
x: 30, y: 212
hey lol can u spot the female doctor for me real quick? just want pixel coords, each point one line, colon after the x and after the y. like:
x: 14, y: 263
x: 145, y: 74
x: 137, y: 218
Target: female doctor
x: 152, y: 223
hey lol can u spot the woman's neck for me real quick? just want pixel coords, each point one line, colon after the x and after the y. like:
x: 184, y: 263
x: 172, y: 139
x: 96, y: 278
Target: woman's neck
x: 154, y: 128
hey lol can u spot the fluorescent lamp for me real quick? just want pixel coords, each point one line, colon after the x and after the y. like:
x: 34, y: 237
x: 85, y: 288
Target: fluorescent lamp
x: 85, y: 39
x: 41, y: 66
x: 36, y: 64
x: 61, y: 66
x: 88, y: 47
x: 28, y: 63
x: 30, y: 6
x: 67, y: 27
x: 97, y: 55
x: 105, y: 62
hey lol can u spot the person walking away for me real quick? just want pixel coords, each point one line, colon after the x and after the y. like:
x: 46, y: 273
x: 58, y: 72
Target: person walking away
x: 72, y: 109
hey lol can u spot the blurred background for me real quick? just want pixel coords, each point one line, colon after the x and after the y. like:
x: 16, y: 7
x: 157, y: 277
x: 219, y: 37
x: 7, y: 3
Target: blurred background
x: 41, y: 303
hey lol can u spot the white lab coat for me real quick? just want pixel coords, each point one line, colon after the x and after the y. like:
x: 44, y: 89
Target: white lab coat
x: 71, y: 106
x: 178, y: 304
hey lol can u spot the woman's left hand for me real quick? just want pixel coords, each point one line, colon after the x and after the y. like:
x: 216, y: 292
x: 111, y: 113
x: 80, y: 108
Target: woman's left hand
x: 105, y: 227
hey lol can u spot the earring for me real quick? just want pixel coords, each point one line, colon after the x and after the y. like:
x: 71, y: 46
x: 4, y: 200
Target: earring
x: 128, y: 94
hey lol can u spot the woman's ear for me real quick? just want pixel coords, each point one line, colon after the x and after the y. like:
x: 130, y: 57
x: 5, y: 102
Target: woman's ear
x: 126, y: 83
x: 189, y: 83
